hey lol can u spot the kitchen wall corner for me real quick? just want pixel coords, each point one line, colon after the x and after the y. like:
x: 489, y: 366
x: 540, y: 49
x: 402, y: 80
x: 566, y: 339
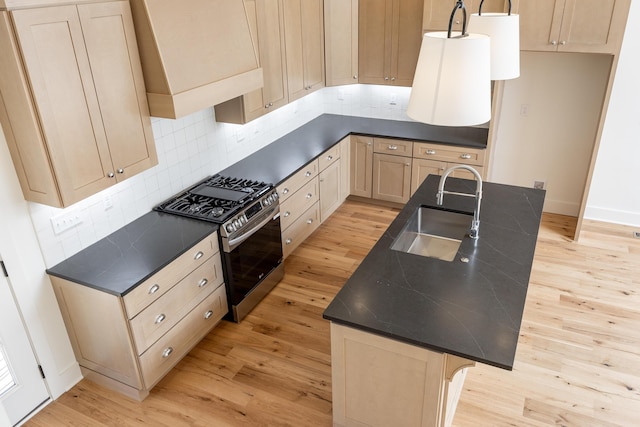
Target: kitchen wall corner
x: 196, y: 146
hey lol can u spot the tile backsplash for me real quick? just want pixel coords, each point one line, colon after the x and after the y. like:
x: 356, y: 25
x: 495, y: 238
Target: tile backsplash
x: 196, y: 146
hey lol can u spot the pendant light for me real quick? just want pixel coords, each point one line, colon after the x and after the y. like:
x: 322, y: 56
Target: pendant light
x: 504, y: 31
x: 452, y: 85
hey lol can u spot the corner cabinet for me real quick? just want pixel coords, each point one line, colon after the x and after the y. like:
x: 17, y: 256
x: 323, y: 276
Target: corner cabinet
x: 304, y: 44
x: 72, y: 100
x: 390, y: 36
x: 588, y: 26
x: 267, y: 28
x: 129, y: 342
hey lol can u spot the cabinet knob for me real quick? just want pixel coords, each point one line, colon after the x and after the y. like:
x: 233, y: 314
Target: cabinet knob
x: 355, y: 77
x: 465, y: 156
x: 393, y: 79
x: 309, y: 195
x: 111, y: 174
x: 288, y: 241
x: 308, y: 174
x: 310, y: 221
x: 563, y: 42
x: 203, y: 283
x: 407, y: 164
x: 208, y: 314
x: 329, y: 157
x: 285, y: 191
x: 287, y: 214
x: 368, y: 144
x: 120, y: 170
x: 199, y: 255
x: 154, y: 289
x: 266, y: 105
x: 386, y: 78
x: 554, y: 42
x: 271, y: 104
x: 431, y: 152
x: 392, y: 147
x: 167, y: 352
x: 160, y: 319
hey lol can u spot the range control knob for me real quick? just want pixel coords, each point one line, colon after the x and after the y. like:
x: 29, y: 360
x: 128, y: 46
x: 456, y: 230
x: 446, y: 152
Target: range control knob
x: 230, y: 228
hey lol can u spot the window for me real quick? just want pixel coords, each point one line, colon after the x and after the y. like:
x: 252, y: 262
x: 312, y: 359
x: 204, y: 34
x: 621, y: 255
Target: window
x: 6, y: 378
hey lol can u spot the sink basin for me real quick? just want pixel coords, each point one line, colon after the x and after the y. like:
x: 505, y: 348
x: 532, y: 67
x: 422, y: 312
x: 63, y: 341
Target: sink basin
x: 434, y: 233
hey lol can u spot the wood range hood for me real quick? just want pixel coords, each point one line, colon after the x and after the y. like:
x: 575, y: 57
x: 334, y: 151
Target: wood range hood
x: 195, y: 54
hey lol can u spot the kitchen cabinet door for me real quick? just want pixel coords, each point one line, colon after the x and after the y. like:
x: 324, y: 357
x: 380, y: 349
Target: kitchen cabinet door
x: 390, y: 36
x: 304, y: 44
x: 330, y: 180
x: 267, y: 28
x: 361, y: 160
x: 341, y: 41
x: 74, y: 106
x: 421, y: 168
x: 391, y: 178
x: 590, y: 26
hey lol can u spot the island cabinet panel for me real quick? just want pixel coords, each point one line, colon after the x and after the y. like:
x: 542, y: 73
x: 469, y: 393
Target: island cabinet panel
x: 304, y: 45
x: 389, y: 40
x: 361, y: 179
x: 129, y: 347
x: 589, y: 26
x: 341, y: 41
x: 378, y: 381
x: 73, y: 100
x: 267, y: 29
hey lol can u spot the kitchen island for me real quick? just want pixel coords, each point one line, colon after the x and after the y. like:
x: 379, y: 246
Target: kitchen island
x: 404, y: 324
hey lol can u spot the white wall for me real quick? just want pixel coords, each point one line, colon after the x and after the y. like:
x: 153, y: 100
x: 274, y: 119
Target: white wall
x: 548, y: 123
x: 614, y: 195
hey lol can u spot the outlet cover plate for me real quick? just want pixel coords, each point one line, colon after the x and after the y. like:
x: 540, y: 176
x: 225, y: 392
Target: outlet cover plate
x: 65, y: 221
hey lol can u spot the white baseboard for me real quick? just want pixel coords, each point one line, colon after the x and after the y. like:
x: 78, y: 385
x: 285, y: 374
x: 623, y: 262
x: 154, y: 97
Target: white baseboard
x: 612, y: 215
x: 64, y: 379
x: 560, y: 207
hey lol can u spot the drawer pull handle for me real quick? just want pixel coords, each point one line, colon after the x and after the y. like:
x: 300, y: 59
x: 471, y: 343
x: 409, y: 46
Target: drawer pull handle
x: 431, y: 152
x: 287, y: 214
x: 310, y: 221
x: 329, y: 157
x: 208, y: 314
x: 167, y: 352
x: 199, y: 255
x: 309, y: 195
x: 288, y: 241
x: 285, y: 191
x: 465, y: 156
x: 203, y: 283
x: 154, y: 289
x: 160, y: 319
x: 308, y: 174
x: 392, y: 147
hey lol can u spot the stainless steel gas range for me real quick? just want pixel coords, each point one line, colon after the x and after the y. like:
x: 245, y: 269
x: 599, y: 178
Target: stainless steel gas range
x: 250, y: 237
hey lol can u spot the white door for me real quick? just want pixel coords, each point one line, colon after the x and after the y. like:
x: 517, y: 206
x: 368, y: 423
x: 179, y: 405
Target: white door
x: 22, y: 388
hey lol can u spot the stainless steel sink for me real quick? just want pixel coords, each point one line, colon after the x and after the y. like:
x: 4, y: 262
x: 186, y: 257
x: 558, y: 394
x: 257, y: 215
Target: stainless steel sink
x: 433, y: 233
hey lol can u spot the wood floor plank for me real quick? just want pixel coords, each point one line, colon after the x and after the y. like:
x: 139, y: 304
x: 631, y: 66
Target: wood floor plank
x: 577, y: 362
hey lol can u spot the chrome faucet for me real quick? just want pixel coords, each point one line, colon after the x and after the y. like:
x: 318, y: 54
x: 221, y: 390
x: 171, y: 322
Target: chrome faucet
x: 475, y: 224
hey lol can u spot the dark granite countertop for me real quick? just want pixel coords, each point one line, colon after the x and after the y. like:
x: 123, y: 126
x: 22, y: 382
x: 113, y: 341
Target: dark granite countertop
x: 282, y: 158
x: 473, y: 310
x: 132, y: 254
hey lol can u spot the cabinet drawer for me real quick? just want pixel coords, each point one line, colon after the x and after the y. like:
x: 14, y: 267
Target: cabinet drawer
x: 155, y: 320
x: 300, y: 229
x: 328, y: 157
x: 471, y: 156
x: 300, y: 178
x: 169, y: 349
x: 395, y: 147
x: 298, y: 203
x: 158, y: 284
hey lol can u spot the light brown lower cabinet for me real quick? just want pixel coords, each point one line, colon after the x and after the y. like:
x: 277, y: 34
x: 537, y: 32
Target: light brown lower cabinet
x: 380, y: 382
x: 128, y: 343
x: 391, y: 178
x: 422, y: 168
x: 361, y: 180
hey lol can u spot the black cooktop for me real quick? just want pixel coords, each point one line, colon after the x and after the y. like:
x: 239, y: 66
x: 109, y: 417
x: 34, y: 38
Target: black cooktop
x: 215, y: 198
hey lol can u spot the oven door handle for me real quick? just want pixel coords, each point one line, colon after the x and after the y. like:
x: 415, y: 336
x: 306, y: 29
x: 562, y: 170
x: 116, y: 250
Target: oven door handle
x: 233, y: 243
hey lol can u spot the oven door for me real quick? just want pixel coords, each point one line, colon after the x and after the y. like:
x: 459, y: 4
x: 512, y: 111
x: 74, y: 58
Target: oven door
x: 253, y: 263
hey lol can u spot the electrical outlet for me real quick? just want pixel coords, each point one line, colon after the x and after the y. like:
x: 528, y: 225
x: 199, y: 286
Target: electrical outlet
x: 340, y: 94
x: 65, y: 221
x: 107, y: 202
x: 524, y: 110
x: 239, y: 135
x: 393, y: 99
x: 539, y: 185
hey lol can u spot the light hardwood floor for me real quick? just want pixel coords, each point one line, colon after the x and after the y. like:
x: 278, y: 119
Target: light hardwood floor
x: 578, y: 359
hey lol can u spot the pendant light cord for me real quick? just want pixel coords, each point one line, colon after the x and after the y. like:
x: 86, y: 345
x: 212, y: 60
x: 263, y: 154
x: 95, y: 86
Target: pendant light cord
x: 480, y: 8
x: 459, y: 5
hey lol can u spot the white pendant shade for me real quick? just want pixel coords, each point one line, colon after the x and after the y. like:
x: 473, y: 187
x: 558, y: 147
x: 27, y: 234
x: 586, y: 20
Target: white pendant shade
x: 452, y: 85
x: 504, y: 31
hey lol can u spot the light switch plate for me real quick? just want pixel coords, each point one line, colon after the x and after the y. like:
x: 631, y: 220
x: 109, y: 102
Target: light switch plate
x: 65, y: 221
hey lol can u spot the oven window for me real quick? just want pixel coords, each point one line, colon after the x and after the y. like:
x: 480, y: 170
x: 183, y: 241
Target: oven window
x: 253, y: 260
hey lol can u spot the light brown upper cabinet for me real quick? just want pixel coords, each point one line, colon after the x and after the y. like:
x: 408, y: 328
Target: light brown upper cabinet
x: 341, y: 41
x: 389, y: 39
x: 195, y: 53
x: 304, y: 41
x: 590, y: 26
x: 267, y: 29
x: 437, y: 13
x: 72, y: 100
